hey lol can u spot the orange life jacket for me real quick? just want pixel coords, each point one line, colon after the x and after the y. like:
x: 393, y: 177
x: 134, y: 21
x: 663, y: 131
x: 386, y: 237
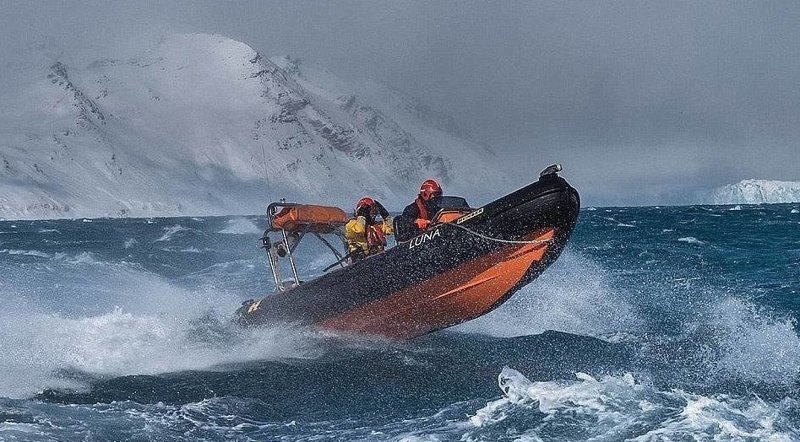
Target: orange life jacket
x: 376, y: 239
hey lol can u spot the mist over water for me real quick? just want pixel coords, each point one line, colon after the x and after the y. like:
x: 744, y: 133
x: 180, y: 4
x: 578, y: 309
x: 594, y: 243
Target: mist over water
x: 110, y: 326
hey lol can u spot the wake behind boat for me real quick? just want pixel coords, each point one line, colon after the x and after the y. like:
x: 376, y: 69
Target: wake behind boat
x: 466, y: 264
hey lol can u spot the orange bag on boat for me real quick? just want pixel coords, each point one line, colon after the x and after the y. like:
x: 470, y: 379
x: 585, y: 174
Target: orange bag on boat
x: 309, y: 217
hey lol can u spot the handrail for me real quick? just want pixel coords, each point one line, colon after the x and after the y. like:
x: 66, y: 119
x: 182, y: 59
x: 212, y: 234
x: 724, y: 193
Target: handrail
x: 272, y: 210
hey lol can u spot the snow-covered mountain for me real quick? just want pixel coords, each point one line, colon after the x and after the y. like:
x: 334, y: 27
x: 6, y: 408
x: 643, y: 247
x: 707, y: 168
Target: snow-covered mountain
x: 202, y: 124
x: 756, y: 192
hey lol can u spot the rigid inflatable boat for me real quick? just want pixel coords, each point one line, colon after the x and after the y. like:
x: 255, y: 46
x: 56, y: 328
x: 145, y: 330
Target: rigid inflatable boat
x: 468, y: 262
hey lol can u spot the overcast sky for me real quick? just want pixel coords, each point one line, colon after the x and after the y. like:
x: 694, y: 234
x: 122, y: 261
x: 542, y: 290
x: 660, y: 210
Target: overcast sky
x: 636, y: 99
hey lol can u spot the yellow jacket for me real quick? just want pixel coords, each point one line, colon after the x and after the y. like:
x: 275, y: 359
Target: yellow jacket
x: 355, y: 231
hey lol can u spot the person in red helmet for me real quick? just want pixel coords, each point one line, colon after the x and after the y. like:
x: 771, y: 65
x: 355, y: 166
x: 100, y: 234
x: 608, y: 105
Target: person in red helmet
x: 417, y: 216
x: 364, y: 234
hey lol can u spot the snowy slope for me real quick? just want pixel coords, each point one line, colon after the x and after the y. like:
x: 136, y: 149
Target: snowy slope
x: 756, y: 192
x: 202, y: 124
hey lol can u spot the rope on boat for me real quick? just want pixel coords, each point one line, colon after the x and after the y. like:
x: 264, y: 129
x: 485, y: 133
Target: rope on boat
x: 500, y: 240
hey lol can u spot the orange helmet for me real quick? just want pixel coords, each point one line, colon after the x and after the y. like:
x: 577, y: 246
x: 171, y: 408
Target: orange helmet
x: 365, y: 202
x: 429, y: 189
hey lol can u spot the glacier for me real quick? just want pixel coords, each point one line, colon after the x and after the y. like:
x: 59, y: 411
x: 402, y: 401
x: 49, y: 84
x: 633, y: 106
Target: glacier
x: 755, y: 192
x: 201, y: 124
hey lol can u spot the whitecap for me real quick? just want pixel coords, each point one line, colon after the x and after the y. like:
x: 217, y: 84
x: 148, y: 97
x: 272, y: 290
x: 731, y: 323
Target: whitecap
x: 80, y: 258
x: 25, y: 253
x: 241, y: 226
x: 169, y: 231
x: 612, y: 405
x: 691, y: 240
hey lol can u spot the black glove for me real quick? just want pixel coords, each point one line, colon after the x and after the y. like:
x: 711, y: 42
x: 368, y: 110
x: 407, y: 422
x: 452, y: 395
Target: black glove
x: 382, y: 210
x: 364, y: 211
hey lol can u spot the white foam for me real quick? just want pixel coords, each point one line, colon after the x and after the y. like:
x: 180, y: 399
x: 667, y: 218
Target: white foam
x: 170, y: 231
x: 756, y: 345
x: 80, y: 258
x: 691, y: 240
x: 115, y: 318
x: 241, y: 226
x: 720, y: 418
x: 25, y: 253
x: 36, y: 346
x: 620, y: 407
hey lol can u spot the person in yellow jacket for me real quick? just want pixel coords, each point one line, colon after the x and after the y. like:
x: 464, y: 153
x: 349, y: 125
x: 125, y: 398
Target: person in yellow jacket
x: 364, y: 234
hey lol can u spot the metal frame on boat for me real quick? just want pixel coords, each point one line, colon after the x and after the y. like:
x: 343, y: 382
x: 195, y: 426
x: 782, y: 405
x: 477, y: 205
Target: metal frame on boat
x: 293, y: 222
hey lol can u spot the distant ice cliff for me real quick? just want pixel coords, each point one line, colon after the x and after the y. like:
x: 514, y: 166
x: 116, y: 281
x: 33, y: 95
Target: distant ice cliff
x: 756, y: 192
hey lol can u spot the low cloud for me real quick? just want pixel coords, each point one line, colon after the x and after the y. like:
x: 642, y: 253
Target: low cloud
x: 636, y: 99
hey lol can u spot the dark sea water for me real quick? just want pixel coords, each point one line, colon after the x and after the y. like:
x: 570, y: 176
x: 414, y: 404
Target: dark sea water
x: 655, y: 324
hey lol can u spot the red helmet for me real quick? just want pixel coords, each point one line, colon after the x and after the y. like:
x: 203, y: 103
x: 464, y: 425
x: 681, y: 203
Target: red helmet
x: 365, y: 202
x: 429, y: 189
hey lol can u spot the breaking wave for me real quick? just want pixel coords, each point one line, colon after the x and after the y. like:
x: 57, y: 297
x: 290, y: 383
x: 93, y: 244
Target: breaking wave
x: 25, y: 253
x: 241, y: 226
x: 149, y: 326
x: 692, y: 240
x: 624, y: 408
x: 169, y: 232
